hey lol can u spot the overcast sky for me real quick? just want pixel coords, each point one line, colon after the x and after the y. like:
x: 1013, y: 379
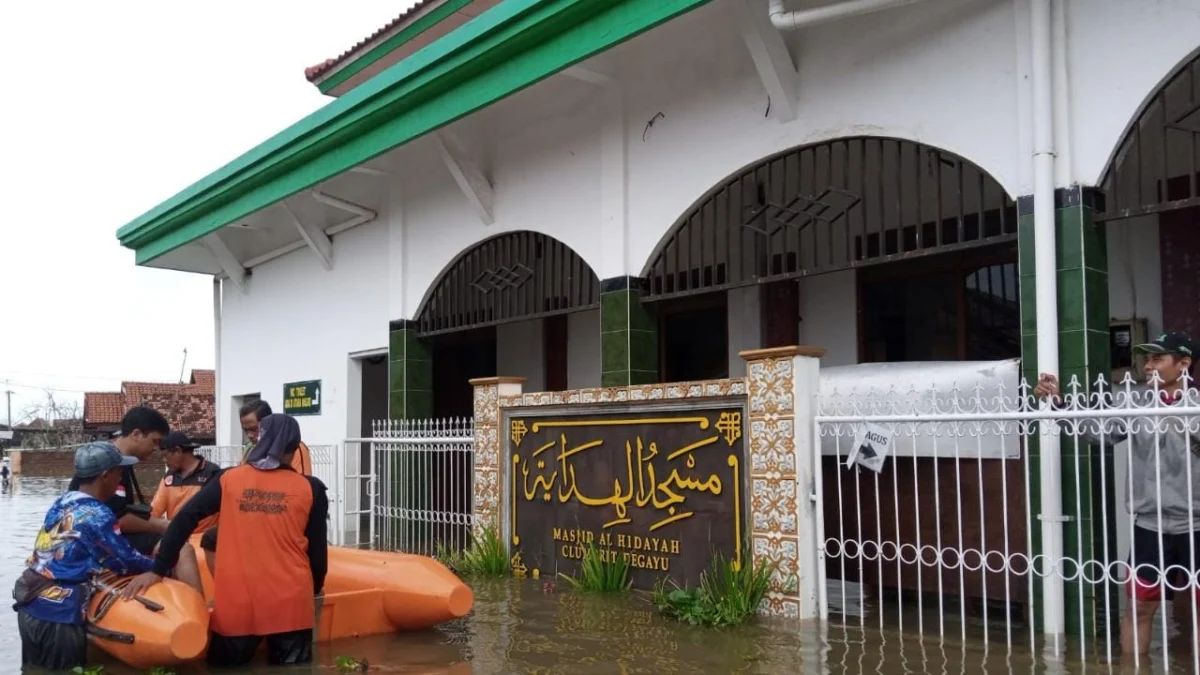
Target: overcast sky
x: 107, y: 109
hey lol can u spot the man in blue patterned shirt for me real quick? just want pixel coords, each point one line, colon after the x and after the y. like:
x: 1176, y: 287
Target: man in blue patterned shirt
x: 79, y: 539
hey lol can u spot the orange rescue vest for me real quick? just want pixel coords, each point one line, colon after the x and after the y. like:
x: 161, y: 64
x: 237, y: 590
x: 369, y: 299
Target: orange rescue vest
x: 264, y: 582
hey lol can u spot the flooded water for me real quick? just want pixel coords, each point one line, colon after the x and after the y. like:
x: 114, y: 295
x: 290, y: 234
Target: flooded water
x: 524, y: 627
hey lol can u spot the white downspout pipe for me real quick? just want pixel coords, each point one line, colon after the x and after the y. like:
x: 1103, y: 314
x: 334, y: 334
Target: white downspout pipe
x: 1051, y: 516
x: 800, y: 18
x: 217, y: 356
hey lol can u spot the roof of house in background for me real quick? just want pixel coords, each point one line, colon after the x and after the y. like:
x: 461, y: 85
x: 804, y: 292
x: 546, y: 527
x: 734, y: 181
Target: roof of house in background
x: 418, y: 26
x: 189, y: 406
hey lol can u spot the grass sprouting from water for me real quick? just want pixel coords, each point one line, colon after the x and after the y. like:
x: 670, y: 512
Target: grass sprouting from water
x: 347, y: 664
x: 159, y: 670
x: 727, y: 595
x: 601, y: 572
x: 90, y: 670
x: 486, y: 556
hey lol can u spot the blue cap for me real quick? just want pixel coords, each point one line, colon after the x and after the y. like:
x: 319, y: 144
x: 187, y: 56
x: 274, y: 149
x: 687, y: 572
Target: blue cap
x: 94, y: 459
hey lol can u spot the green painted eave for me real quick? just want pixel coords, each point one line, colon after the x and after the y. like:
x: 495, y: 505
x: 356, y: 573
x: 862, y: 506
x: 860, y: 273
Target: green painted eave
x: 504, y: 50
x: 356, y: 65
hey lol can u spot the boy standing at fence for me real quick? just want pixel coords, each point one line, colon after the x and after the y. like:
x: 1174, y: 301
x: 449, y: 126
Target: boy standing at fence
x: 1163, y: 489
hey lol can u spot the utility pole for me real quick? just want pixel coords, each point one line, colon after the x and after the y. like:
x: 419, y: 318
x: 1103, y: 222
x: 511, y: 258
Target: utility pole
x: 8, y: 395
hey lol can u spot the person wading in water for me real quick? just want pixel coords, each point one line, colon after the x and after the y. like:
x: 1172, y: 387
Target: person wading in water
x: 272, y: 553
x: 80, y: 538
x: 1163, y: 489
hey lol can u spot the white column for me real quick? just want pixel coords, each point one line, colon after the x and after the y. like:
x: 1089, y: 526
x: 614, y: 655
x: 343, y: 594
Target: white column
x: 397, y: 252
x: 810, y: 530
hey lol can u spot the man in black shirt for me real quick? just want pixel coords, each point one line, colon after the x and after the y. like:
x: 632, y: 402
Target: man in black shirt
x: 142, y: 429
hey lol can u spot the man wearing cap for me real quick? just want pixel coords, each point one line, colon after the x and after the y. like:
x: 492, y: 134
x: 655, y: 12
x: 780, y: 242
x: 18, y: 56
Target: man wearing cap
x: 80, y: 537
x: 186, y: 474
x: 1163, y: 490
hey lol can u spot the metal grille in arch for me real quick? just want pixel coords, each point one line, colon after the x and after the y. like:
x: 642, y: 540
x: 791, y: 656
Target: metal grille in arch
x: 827, y: 207
x: 510, y: 277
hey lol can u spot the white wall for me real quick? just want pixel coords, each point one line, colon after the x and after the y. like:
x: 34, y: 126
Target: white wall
x: 296, y: 321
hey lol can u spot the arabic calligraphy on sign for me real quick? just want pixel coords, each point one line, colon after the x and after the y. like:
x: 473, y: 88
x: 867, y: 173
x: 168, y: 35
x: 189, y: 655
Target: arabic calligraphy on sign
x: 666, y: 494
x: 636, y: 477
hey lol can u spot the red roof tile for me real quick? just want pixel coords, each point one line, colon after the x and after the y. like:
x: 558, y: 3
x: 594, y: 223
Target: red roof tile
x: 189, y: 407
x: 103, y: 407
x: 314, y: 72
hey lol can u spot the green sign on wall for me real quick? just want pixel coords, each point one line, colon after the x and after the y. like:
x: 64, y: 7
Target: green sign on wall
x: 302, y: 398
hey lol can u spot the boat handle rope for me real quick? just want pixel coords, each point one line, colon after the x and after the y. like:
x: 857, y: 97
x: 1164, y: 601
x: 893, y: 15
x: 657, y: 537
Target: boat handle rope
x: 111, y: 587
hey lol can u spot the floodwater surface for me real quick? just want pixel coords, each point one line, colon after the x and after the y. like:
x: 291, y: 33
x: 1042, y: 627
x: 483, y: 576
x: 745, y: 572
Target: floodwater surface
x: 530, y: 627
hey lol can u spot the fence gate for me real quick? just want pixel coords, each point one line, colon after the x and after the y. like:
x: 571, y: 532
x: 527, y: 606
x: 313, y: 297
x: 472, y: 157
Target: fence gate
x: 409, y: 487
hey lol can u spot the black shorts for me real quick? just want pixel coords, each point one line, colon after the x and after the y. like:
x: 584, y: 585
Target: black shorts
x: 144, y: 542
x: 1176, y: 561
x: 53, y: 646
x: 282, y: 649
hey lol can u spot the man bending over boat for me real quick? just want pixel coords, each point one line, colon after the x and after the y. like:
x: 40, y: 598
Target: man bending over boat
x: 80, y: 538
x: 272, y: 556
x: 142, y: 429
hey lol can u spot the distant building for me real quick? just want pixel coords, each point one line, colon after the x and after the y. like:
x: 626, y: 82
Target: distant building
x: 189, y: 406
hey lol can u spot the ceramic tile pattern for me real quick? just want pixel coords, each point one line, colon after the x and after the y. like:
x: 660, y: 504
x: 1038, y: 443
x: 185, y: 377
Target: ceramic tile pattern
x: 773, y: 494
x: 487, y: 452
x: 770, y: 388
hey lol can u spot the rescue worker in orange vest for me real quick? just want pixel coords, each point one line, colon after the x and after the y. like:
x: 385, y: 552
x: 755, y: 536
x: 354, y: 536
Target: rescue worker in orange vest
x: 187, y: 473
x: 250, y: 416
x: 272, y: 550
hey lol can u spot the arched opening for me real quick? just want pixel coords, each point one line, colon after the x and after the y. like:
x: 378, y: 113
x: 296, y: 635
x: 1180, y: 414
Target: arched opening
x: 910, y: 249
x: 1152, y: 209
x: 505, y: 300
x: 879, y: 250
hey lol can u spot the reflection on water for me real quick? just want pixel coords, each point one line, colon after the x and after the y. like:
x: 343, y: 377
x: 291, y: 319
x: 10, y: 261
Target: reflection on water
x: 518, y: 627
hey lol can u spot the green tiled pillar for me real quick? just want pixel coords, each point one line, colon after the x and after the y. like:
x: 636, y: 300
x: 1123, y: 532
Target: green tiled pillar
x: 404, y: 476
x: 1083, y: 354
x: 628, y: 335
x: 410, y: 374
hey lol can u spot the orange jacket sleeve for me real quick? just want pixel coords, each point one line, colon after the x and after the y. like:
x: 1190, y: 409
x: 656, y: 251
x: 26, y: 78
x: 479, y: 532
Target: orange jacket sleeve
x: 158, y: 505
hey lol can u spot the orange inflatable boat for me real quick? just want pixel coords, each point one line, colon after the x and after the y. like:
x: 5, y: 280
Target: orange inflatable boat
x: 366, y: 593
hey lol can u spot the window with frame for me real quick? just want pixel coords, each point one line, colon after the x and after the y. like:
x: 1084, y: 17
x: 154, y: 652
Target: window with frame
x: 952, y: 307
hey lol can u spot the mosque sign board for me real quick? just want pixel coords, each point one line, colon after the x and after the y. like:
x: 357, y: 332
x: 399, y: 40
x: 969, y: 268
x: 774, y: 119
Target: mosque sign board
x: 302, y: 398
x: 663, y: 489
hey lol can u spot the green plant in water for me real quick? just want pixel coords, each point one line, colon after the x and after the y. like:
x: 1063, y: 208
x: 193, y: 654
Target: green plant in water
x: 347, y: 664
x: 90, y: 670
x: 601, y: 571
x: 728, y: 595
x: 159, y: 670
x: 486, y: 556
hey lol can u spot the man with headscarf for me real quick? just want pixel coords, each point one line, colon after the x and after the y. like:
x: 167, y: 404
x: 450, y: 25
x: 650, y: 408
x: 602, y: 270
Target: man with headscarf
x: 272, y: 551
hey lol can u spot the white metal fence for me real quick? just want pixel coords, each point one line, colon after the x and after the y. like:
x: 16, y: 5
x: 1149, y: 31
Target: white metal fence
x: 409, y: 487
x: 326, y: 465
x: 960, y: 516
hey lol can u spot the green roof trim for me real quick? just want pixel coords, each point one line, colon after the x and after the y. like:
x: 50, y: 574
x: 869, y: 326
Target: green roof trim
x: 356, y: 64
x: 504, y: 50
